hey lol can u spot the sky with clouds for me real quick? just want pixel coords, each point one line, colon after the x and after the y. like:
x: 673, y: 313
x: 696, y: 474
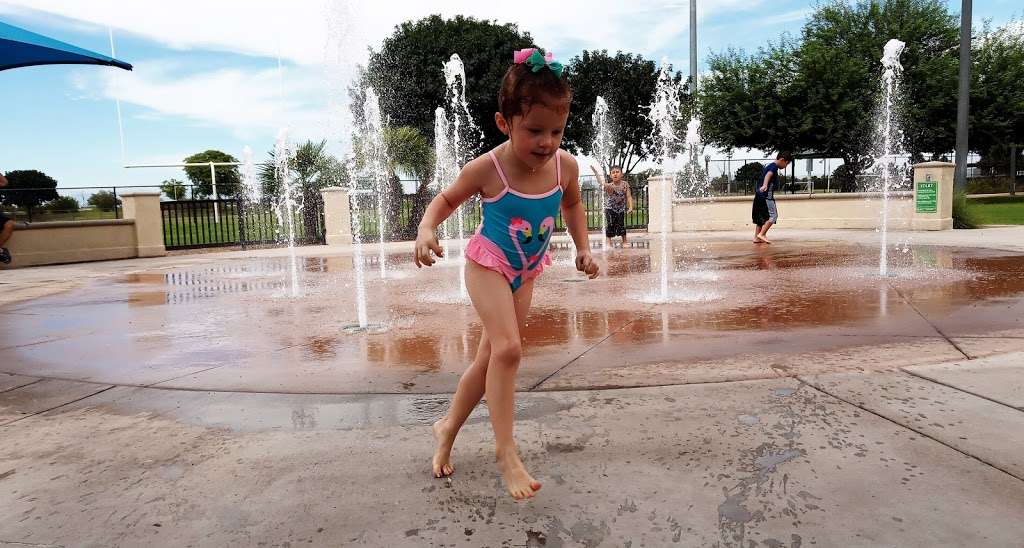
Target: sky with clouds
x: 226, y: 74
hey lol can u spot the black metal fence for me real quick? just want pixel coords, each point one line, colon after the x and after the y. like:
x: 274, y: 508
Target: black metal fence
x: 189, y: 224
x: 403, y: 217
x: 40, y: 205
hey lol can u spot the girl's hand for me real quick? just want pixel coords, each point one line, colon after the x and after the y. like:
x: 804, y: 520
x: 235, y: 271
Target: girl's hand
x: 585, y: 263
x: 426, y: 241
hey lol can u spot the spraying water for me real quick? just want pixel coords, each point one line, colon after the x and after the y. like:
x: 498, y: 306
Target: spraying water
x: 693, y: 182
x: 357, y: 267
x: 358, y: 261
x: 376, y: 162
x: 445, y: 170
x: 890, y: 160
x: 664, y: 113
x: 343, y: 35
x: 602, y: 153
x: 251, y: 191
x: 286, y: 206
x: 460, y: 138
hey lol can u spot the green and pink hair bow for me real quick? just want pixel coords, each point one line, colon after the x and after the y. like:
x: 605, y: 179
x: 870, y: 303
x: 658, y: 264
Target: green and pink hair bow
x: 533, y: 58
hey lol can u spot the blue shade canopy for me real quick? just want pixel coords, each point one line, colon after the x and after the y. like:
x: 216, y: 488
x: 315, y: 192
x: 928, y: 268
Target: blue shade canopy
x: 21, y: 48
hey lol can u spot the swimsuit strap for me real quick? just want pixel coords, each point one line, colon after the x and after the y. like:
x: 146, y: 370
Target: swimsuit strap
x: 504, y: 179
x: 497, y: 166
x: 558, y: 168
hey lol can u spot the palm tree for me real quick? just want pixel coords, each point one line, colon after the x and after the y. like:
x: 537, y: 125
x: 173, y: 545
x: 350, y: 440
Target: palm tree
x: 311, y: 168
x: 409, y: 150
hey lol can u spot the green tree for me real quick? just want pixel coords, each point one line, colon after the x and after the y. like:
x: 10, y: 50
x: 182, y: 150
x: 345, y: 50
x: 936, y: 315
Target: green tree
x: 229, y: 180
x: 627, y: 82
x: 839, y: 75
x: 844, y: 178
x: 748, y: 175
x: 997, y: 95
x: 820, y: 93
x: 409, y: 151
x: 28, y: 188
x: 311, y: 168
x: 407, y: 72
x: 174, y: 189
x: 62, y: 204
x: 104, y: 200
x: 748, y: 100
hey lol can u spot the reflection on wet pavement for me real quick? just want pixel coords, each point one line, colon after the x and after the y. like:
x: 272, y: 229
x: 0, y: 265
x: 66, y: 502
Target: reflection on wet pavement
x: 235, y: 317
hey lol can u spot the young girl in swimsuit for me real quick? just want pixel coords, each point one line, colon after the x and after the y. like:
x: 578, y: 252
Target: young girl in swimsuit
x: 522, y: 184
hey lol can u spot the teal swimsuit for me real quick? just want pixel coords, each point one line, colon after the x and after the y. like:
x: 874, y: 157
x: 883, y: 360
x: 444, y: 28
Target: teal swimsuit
x: 516, y: 230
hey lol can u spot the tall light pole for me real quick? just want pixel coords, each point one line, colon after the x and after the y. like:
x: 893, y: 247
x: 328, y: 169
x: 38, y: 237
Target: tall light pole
x: 960, y: 176
x: 693, y: 47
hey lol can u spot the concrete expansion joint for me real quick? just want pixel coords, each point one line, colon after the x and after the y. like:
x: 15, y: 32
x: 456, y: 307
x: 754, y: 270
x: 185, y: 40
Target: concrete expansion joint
x: 917, y: 431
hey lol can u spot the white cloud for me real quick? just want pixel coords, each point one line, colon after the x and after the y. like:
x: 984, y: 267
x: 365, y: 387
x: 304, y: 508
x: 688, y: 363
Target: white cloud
x: 299, y: 29
x: 249, y: 103
x: 787, y: 17
x: 320, y: 41
x: 296, y: 28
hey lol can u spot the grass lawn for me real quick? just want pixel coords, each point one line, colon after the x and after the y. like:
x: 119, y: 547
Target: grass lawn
x: 198, y: 230
x: 40, y: 215
x: 999, y: 210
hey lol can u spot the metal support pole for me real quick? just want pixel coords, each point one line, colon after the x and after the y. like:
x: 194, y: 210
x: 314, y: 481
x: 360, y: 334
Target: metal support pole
x: 1013, y: 170
x: 962, y: 109
x: 213, y: 181
x: 693, y: 47
x: 728, y: 173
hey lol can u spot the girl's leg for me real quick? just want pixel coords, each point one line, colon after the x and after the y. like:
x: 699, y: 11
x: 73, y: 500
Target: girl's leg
x: 494, y: 302
x: 471, y: 389
x: 467, y: 396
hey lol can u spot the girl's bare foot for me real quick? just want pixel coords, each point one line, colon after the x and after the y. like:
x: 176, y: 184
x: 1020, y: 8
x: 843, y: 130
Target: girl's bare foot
x: 442, y: 464
x: 757, y: 240
x: 517, y: 480
x: 763, y: 239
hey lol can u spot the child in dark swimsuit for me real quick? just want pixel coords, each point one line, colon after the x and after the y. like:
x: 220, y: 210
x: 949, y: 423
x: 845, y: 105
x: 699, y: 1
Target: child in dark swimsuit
x: 618, y: 201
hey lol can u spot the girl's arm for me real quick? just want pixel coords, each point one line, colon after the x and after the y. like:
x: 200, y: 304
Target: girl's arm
x: 468, y: 183
x: 629, y: 198
x: 600, y: 179
x: 575, y: 216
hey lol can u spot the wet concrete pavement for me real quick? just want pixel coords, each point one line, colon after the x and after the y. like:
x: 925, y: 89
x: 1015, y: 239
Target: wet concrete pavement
x: 758, y: 463
x: 737, y: 312
x: 790, y: 398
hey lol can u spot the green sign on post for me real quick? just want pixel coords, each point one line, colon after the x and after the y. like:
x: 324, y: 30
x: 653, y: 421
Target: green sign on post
x: 927, y: 196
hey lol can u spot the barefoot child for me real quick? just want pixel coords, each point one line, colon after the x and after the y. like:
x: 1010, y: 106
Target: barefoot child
x: 618, y: 201
x: 765, y: 213
x: 522, y: 182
